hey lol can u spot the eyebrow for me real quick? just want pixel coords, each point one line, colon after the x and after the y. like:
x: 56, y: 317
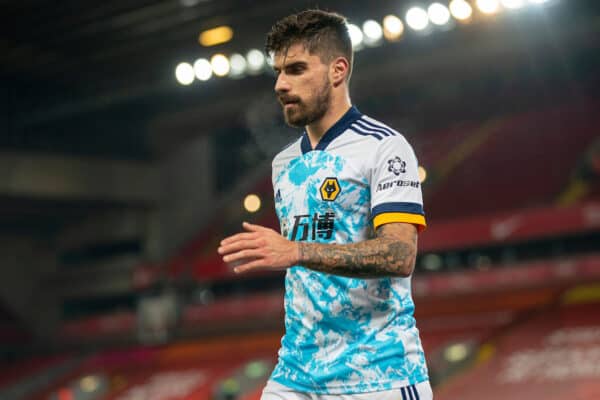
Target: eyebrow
x: 291, y: 65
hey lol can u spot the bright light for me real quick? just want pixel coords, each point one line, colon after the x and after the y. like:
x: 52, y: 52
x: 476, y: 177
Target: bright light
x: 438, y: 14
x: 65, y: 394
x: 215, y: 36
x: 252, y: 203
x: 417, y: 18
x: 219, y: 64
x: 537, y: 1
x: 488, y: 6
x: 270, y: 61
x: 89, y: 383
x: 512, y: 4
x: 184, y: 73
x: 432, y: 262
x: 238, y: 64
x: 203, y: 69
x: 456, y: 352
x: 392, y: 27
x: 256, y: 369
x: 422, y: 174
x: 373, y: 32
x: 256, y: 61
x: 230, y: 386
x: 356, y: 36
x: 461, y: 10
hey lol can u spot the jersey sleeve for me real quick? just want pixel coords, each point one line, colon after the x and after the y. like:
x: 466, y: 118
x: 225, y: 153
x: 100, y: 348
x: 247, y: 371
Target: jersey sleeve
x: 395, y: 188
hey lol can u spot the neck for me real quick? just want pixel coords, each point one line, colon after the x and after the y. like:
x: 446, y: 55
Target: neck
x: 317, y: 129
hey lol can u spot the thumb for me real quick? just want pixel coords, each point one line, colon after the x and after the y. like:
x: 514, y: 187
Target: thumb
x: 253, y: 228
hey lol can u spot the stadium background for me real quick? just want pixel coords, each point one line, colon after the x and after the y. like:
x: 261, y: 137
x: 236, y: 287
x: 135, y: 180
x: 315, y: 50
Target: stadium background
x: 124, y: 162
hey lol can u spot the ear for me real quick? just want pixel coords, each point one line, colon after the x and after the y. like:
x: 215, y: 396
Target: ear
x: 340, y: 68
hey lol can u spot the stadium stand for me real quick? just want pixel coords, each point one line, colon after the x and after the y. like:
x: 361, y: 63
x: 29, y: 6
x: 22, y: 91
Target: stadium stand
x: 182, y: 371
x: 523, y: 163
x: 553, y: 354
x: 461, y: 316
x: 473, y: 322
x: 495, y: 170
x: 507, y: 280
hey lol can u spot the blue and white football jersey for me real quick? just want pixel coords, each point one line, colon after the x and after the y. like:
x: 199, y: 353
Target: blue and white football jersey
x: 347, y: 335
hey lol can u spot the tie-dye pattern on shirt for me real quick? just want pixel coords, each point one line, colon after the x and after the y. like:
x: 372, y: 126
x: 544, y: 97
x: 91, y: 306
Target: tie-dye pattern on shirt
x: 343, y: 335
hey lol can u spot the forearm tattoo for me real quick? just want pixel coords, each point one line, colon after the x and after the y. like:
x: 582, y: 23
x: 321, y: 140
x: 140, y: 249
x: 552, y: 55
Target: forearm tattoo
x: 391, y: 253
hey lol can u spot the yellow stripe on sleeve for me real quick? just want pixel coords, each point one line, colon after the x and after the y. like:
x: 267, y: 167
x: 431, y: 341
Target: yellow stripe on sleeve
x: 386, y: 218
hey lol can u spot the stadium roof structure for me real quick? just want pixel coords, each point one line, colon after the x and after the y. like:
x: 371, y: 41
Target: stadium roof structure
x: 88, y: 79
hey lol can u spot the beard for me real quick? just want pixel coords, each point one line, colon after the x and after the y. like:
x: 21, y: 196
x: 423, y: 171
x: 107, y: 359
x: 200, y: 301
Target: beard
x: 304, y: 113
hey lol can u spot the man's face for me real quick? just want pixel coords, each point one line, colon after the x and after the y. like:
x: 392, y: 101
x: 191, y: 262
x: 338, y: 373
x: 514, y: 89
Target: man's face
x: 303, y: 87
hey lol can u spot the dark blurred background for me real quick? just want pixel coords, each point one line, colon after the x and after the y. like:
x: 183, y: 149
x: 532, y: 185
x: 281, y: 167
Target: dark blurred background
x: 134, y: 136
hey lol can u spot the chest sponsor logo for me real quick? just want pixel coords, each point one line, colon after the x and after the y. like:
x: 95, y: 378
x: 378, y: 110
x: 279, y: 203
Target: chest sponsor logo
x: 397, y: 166
x: 330, y: 189
x: 311, y: 227
x: 397, y: 183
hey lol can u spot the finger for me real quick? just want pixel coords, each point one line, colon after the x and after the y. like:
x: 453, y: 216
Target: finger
x: 238, y: 245
x: 233, y: 257
x: 238, y: 236
x: 253, y: 265
x: 254, y: 228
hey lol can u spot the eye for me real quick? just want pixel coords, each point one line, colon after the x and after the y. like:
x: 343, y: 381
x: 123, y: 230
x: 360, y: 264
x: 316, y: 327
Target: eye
x: 296, y: 69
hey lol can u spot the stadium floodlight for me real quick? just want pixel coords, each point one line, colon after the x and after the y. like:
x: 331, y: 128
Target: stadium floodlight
x: 238, y: 64
x: 438, y: 14
x: 203, y: 69
x: 393, y: 28
x: 488, y: 6
x: 461, y: 10
x: 215, y: 36
x: 356, y: 36
x: 417, y: 18
x: 256, y: 61
x: 219, y: 64
x: 184, y: 72
x: 372, y: 32
x: 512, y: 4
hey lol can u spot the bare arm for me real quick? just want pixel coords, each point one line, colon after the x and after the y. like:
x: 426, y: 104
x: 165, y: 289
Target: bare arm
x: 391, y: 253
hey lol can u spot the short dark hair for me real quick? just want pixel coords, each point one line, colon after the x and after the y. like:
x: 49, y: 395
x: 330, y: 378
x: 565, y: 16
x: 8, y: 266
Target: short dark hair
x: 321, y: 32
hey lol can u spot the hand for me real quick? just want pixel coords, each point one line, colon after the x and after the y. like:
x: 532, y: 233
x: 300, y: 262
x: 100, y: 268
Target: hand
x: 258, y: 248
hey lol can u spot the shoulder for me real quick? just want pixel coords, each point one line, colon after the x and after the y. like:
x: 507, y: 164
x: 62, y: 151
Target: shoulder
x: 384, y: 136
x: 288, y: 152
x: 377, y: 125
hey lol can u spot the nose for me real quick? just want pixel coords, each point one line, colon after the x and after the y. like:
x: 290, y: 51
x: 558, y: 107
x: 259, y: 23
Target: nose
x: 282, y: 85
